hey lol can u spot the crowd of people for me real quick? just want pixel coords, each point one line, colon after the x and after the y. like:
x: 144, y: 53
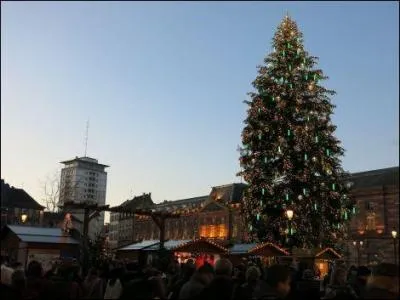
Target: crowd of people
x: 250, y: 280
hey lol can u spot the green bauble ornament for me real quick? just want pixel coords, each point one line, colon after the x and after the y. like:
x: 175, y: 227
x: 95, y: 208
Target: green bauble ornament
x: 287, y: 197
x: 316, y: 139
x: 288, y: 132
x: 290, y: 85
x: 354, y: 210
x: 333, y: 186
x: 259, y: 110
x: 258, y: 217
x: 328, y: 153
x: 263, y: 191
x: 284, y: 53
x: 345, y: 215
x: 315, y: 206
x: 265, y: 160
x: 259, y: 136
x: 306, y: 77
x: 305, y: 156
x: 290, y: 67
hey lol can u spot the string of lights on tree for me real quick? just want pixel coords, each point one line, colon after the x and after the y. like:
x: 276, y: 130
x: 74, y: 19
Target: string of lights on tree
x: 290, y: 157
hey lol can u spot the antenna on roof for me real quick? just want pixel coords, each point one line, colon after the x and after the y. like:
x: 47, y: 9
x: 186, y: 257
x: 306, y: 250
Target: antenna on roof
x: 86, y: 135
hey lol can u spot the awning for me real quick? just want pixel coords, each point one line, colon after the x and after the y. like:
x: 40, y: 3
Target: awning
x: 201, y: 246
x: 241, y: 248
x: 168, y: 245
x: 328, y: 253
x: 140, y: 245
x: 268, y: 250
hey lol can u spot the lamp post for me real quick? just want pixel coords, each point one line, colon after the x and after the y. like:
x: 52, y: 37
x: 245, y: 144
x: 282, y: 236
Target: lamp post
x: 289, y: 215
x: 358, y: 246
x: 24, y: 217
x: 394, y: 235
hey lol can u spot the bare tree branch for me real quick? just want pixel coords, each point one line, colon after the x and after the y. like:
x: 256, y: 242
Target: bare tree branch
x: 51, y: 191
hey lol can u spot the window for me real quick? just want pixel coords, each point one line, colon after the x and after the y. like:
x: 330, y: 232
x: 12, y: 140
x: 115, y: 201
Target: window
x: 371, y: 221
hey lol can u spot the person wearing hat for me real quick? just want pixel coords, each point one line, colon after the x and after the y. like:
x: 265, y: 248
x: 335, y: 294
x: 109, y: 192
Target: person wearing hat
x: 383, y: 282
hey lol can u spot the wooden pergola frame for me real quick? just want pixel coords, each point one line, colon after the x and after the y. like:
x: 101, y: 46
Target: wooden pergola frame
x: 92, y: 210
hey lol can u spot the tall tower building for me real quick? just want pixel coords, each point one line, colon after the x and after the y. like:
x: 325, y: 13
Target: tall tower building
x: 83, y: 179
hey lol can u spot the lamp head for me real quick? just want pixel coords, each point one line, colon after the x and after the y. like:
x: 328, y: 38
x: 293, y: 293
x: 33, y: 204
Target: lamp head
x: 24, y: 217
x: 394, y: 233
x: 289, y: 214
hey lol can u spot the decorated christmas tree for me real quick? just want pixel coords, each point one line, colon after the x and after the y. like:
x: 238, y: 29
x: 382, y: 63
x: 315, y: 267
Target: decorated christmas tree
x: 290, y: 157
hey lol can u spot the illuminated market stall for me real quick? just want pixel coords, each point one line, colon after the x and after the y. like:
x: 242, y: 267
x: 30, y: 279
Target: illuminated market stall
x: 268, y: 252
x: 202, y: 250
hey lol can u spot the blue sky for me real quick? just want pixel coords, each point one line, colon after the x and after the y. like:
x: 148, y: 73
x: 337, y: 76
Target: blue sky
x: 163, y: 85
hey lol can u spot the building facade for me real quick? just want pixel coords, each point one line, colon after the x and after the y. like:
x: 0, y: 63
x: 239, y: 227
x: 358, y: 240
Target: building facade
x: 217, y: 217
x: 18, y: 207
x: 84, y: 180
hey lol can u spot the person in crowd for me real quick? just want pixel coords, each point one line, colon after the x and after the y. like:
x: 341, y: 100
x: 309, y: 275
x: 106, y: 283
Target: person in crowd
x: 114, y: 287
x: 222, y: 285
x: 199, y: 280
x: 278, y: 283
x: 359, y: 282
x: 383, y: 282
x: 308, y: 287
x: 18, y: 284
x: 187, y: 271
x: 338, y: 287
x: 247, y: 289
x: 93, y: 285
x: 37, y: 287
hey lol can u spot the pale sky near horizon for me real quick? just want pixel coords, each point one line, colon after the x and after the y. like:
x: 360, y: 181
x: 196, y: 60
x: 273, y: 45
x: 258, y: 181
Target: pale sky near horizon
x: 163, y: 85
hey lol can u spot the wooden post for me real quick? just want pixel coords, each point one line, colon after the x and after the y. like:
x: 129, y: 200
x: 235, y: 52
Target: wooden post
x: 86, y: 221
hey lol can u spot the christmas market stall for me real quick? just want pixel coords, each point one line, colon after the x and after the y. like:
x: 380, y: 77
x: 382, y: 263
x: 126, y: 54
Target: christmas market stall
x: 268, y: 252
x: 324, y: 258
x: 135, y: 251
x: 182, y: 257
x: 202, y: 250
x: 238, y: 253
x: 26, y: 243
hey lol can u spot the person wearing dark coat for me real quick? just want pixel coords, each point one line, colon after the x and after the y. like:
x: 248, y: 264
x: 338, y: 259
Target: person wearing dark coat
x: 278, y: 283
x: 383, y: 283
x: 222, y: 286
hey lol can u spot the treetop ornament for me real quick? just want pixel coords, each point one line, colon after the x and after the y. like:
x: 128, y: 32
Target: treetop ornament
x: 293, y: 157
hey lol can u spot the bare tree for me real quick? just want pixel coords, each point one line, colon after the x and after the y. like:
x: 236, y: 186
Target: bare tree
x: 51, y: 191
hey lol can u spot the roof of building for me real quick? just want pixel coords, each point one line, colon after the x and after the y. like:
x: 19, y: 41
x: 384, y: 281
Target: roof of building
x: 139, y: 202
x: 230, y: 193
x: 40, y: 235
x: 182, y: 202
x: 14, y: 197
x: 375, y: 178
x: 84, y: 159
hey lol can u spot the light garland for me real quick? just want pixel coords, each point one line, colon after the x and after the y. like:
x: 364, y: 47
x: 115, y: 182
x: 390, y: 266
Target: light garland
x: 328, y: 250
x: 268, y: 244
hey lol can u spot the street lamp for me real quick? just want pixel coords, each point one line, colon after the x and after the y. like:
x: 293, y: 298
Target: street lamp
x: 289, y: 215
x: 358, y: 245
x: 394, y: 235
x: 24, y: 217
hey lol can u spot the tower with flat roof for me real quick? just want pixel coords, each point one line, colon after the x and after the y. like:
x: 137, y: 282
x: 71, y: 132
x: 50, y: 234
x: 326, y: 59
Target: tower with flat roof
x: 84, y: 180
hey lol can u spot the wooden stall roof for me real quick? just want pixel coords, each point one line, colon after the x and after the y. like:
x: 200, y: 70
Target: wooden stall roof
x: 268, y: 250
x: 201, y: 246
x: 328, y: 253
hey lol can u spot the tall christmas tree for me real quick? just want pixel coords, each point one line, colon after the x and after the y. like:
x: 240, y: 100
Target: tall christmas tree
x: 290, y: 157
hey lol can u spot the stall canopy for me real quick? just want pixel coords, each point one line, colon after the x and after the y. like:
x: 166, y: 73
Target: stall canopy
x: 268, y: 250
x: 241, y: 248
x: 328, y: 253
x: 140, y: 245
x: 29, y: 234
x: 201, y: 246
x: 168, y: 245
